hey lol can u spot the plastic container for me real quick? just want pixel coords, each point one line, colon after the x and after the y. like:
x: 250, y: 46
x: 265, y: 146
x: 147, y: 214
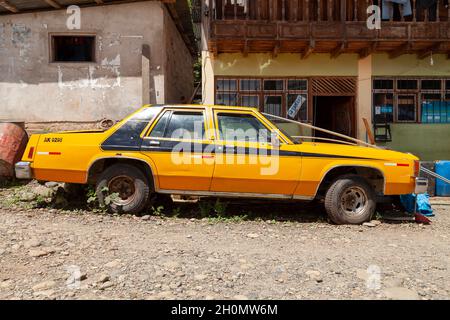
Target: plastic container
x: 13, y: 141
x: 443, y: 169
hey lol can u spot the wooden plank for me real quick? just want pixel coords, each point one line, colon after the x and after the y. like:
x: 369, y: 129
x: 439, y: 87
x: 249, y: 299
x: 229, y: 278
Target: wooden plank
x: 309, y: 49
x: 368, y: 50
x: 368, y: 131
x: 400, y: 50
x: 53, y: 3
x: 276, y: 50
x: 338, y: 50
x: 8, y: 6
x: 428, y: 51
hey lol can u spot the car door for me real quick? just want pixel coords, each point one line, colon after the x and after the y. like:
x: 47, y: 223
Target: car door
x: 245, y: 159
x: 177, y: 146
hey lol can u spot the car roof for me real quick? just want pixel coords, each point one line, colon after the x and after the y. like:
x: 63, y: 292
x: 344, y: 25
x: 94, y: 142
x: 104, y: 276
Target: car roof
x: 201, y: 106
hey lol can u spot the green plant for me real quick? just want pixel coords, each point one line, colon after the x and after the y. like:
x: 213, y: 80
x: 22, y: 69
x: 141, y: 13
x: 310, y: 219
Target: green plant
x: 92, y: 198
x: 220, y: 208
x: 205, y: 208
x: 176, y: 212
x: 158, y: 211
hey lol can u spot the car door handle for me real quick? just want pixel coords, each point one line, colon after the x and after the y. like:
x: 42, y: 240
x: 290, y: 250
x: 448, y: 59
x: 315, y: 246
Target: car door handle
x: 154, y: 143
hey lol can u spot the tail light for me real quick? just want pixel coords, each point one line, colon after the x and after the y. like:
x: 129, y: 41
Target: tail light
x: 30, y: 153
x: 416, y: 168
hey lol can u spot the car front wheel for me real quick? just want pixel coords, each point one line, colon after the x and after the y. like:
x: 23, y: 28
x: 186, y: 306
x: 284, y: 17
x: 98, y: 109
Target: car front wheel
x: 122, y: 188
x: 350, y: 200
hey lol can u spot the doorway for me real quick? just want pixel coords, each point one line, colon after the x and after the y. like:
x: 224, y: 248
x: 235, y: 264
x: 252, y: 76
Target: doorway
x: 335, y: 113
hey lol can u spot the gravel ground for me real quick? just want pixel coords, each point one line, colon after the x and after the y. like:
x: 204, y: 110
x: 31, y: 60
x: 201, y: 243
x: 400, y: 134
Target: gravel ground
x: 293, y: 253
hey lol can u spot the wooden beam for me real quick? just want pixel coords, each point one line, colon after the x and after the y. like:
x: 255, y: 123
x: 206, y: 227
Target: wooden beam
x: 276, y: 50
x: 428, y: 51
x: 338, y: 50
x: 99, y: 1
x: 400, y: 50
x: 53, y: 3
x: 368, y: 50
x: 8, y: 6
x: 309, y: 49
x: 246, y: 49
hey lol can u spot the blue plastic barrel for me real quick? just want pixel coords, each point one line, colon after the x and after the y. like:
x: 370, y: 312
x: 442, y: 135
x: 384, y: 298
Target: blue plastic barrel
x: 442, y: 188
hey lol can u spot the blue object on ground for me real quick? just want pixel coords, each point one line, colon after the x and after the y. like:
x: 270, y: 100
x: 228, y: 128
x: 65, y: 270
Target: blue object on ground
x: 423, y: 203
x: 442, y: 188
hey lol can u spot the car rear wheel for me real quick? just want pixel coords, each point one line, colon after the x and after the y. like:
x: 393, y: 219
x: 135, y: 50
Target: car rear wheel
x: 123, y: 188
x: 350, y: 200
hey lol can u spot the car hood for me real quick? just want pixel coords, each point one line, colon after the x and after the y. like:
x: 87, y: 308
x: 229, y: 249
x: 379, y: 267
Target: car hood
x: 347, y: 151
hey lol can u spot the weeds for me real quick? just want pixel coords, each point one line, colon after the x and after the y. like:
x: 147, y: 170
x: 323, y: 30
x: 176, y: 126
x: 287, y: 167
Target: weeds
x: 93, y: 202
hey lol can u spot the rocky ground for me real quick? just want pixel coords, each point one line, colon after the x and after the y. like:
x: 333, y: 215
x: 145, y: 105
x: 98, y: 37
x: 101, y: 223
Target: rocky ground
x: 213, y: 251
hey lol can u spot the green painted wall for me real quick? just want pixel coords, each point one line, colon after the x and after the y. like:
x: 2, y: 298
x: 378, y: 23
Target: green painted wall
x: 427, y: 141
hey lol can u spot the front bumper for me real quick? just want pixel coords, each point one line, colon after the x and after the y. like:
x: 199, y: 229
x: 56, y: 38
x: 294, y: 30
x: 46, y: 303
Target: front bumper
x: 23, y: 170
x: 421, y: 185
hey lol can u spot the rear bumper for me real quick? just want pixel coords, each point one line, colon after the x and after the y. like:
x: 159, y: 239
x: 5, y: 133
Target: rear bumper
x: 421, y: 185
x: 23, y: 170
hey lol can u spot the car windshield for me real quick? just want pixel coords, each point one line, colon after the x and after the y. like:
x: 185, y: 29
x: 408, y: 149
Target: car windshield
x: 289, y: 129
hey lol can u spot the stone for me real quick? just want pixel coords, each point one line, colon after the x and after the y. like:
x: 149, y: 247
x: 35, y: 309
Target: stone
x: 28, y: 196
x: 102, y: 278
x: 375, y: 222
x: 106, y: 285
x: 314, y: 275
x: 200, y: 277
x: 369, y: 224
x: 113, y: 264
x: 32, y: 243
x: 44, y: 285
x: 400, y: 293
x: 252, y: 235
x: 51, y: 184
x: 36, y: 253
x: 146, y: 217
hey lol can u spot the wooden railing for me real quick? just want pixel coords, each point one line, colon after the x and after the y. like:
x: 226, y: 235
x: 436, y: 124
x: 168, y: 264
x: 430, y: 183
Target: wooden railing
x: 320, y: 10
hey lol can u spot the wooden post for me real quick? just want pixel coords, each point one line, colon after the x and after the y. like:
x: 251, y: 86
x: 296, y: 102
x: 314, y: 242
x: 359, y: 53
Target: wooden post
x: 437, y: 10
x: 223, y: 9
x: 145, y: 74
x: 330, y: 10
x: 306, y: 10
x: 235, y: 9
x: 343, y: 10
x: 318, y: 10
x: 414, y: 10
x: 355, y: 10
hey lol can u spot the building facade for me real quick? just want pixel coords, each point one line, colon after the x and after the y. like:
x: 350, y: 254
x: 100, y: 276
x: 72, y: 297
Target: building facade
x: 69, y: 67
x: 271, y: 53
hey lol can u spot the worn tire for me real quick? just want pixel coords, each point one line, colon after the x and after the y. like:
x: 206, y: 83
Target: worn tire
x: 134, y: 178
x: 350, y: 200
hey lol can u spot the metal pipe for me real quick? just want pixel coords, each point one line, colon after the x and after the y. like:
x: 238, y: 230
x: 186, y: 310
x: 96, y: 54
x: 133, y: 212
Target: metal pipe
x: 324, y: 130
x: 434, y: 174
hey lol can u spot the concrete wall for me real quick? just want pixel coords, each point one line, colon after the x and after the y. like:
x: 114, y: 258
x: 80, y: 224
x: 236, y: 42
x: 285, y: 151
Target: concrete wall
x: 179, y: 84
x: 427, y: 141
x: 34, y: 89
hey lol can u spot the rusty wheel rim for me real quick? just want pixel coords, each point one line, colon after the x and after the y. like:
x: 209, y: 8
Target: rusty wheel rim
x: 354, y: 200
x: 124, y: 187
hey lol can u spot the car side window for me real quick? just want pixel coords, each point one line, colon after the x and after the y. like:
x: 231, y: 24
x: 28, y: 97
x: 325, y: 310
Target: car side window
x: 185, y: 125
x: 241, y: 127
x: 160, y: 126
x: 180, y: 125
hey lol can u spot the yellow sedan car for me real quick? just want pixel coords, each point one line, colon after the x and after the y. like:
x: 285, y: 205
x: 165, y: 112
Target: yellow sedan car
x: 222, y: 152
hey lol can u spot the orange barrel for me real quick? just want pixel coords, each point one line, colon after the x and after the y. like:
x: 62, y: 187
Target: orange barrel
x: 13, y: 141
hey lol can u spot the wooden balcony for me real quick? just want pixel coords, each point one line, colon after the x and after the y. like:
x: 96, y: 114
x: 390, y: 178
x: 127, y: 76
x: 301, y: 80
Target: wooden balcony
x: 324, y: 26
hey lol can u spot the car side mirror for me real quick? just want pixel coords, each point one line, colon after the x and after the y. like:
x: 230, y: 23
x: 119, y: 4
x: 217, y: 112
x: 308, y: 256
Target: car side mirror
x: 274, y: 139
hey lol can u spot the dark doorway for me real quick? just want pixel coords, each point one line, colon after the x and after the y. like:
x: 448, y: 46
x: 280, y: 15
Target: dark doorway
x: 335, y: 113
